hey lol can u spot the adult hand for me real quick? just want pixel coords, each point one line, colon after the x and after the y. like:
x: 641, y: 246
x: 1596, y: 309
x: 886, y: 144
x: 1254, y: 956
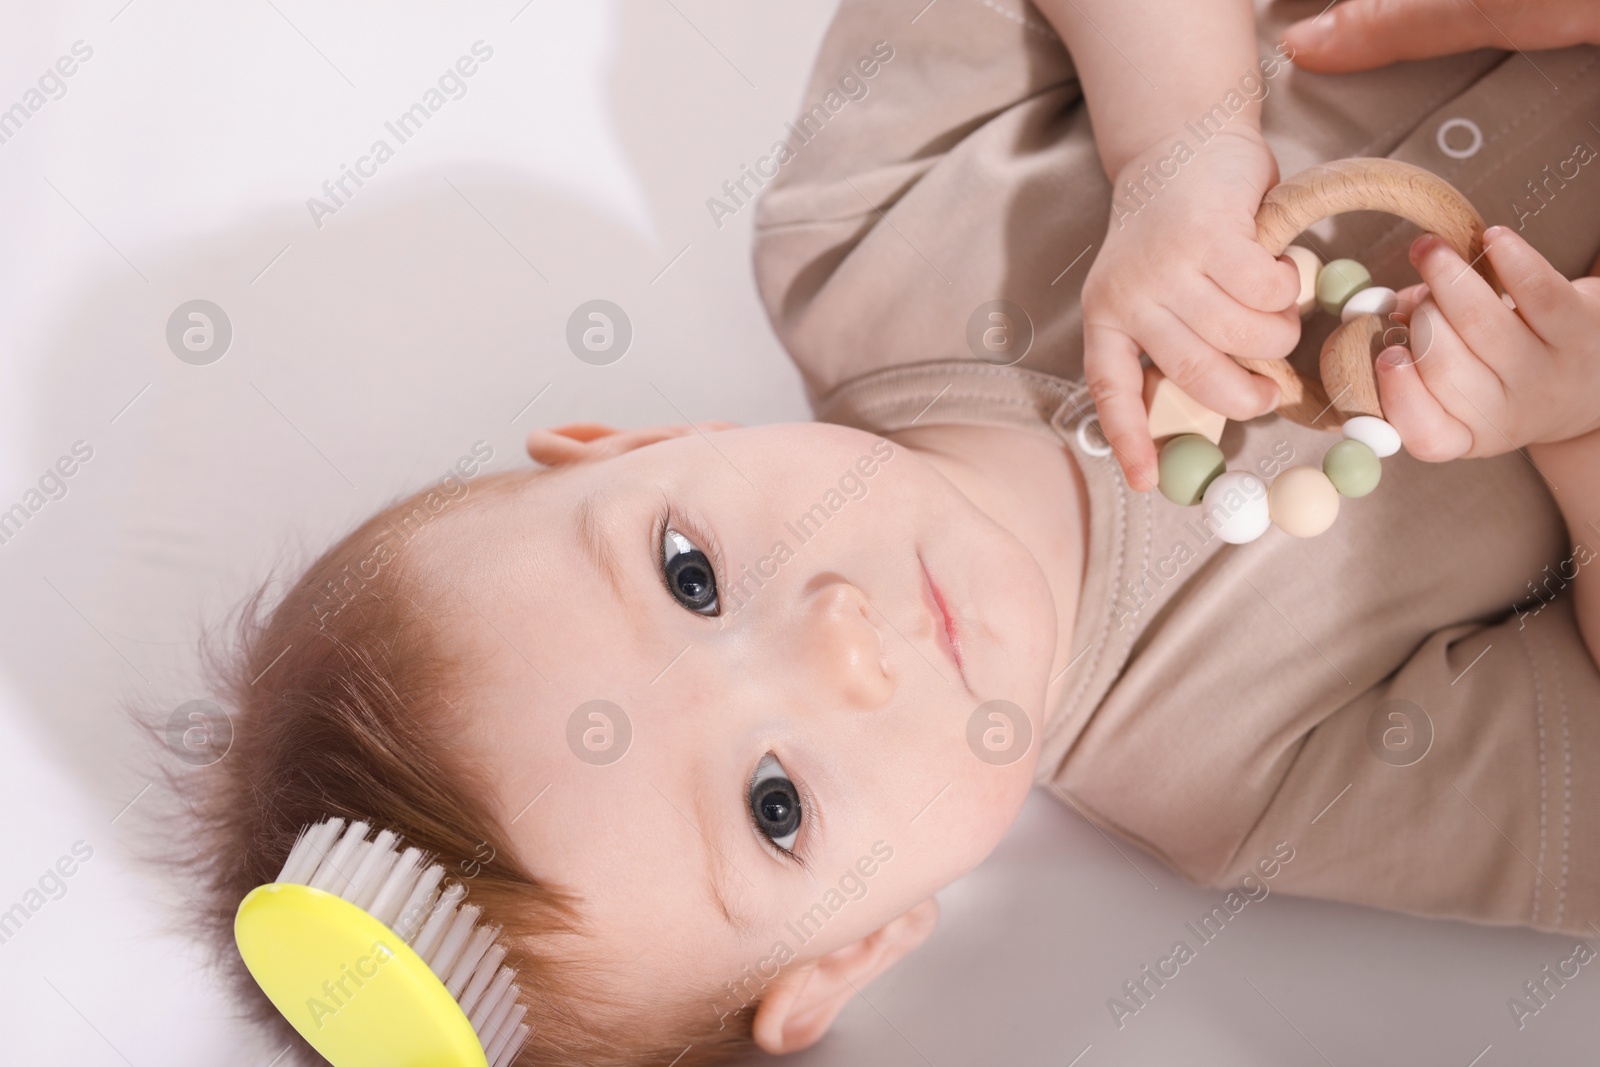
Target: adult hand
x: 1363, y: 34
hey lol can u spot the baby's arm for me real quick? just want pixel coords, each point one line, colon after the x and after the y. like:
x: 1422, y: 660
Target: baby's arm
x: 1573, y: 469
x: 1574, y: 466
x: 1174, y: 92
x: 1482, y: 379
x: 1149, y: 66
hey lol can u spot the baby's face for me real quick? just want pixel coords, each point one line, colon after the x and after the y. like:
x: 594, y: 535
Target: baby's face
x: 760, y: 605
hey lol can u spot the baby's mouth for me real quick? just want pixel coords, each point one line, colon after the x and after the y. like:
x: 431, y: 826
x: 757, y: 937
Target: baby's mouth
x: 945, y: 631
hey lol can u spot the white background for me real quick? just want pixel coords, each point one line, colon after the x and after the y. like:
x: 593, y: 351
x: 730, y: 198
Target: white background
x: 368, y: 355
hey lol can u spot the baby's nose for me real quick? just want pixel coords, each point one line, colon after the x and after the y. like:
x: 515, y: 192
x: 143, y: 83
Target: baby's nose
x: 842, y: 639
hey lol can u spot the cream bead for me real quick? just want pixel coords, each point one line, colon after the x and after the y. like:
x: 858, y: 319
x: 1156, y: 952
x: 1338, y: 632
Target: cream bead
x: 1307, y: 263
x: 1235, y: 504
x: 1303, y: 502
x: 1375, y: 300
x: 1372, y: 432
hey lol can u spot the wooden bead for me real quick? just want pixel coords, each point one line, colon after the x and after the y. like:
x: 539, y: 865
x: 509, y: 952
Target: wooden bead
x: 1307, y: 263
x: 1339, y: 281
x: 1346, y: 367
x: 1374, y: 300
x: 1353, y: 467
x: 1235, y: 504
x: 1185, y: 467
x: 1173, y: 411
x: 1303, y: 502
x: 1374, y: 433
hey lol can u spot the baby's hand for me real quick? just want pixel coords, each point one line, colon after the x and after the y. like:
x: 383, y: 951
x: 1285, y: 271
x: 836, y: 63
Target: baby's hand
x: 1182, y: 277
x: 1480, y: 378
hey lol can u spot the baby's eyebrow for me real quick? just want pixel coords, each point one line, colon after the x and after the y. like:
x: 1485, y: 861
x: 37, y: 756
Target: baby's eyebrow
x: 589, y: 529
x: 718, y: 865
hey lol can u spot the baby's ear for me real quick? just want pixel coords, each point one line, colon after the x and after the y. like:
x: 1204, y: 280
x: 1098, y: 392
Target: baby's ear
x: 800, y: 1005
x: 579, y: 442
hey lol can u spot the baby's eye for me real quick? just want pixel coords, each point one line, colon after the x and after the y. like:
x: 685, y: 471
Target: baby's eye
x: 775, y: 803
x: 690, y: 577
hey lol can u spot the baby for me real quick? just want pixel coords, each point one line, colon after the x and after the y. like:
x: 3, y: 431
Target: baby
x: 706, y: 715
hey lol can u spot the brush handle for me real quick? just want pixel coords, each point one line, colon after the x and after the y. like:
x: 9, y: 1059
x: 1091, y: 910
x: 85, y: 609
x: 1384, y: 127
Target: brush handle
x: 1388, y: 185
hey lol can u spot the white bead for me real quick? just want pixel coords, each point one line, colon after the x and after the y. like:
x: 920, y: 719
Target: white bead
x: 1307, y: 263
x: 1373, y: 301
x: 1235, y: 504
x: 1374, y: 433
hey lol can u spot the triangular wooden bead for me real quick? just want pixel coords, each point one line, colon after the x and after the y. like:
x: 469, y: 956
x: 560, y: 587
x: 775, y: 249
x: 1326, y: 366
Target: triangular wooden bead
x: 1173, y: 411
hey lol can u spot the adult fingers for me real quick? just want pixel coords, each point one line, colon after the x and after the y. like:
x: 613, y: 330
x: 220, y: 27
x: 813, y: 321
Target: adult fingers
x: 1363, y: 34
x: 1204, y: 372
x: 1429, y: 432
x: 1116, y: 382
x: 1251, y: 275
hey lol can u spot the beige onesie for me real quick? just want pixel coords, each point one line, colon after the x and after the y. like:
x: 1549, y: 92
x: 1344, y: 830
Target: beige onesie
x: 1405, y: 699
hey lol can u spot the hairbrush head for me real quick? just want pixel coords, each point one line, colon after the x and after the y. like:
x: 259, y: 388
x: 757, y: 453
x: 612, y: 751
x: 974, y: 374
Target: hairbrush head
x: 372, y: 956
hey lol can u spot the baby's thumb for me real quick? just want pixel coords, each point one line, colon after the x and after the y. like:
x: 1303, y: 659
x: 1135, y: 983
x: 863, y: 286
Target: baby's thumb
x: 1364, y: 34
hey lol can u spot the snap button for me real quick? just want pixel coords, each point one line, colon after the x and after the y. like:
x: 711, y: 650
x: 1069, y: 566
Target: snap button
x: 1474, y: 135
x: 1094, y: 444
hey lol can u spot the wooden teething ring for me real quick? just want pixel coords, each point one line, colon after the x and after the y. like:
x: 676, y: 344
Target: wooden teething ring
x: 1414, y: 194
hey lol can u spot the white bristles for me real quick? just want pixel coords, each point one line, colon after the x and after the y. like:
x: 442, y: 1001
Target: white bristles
x: 444, y: 912
x: 411, y: 895
x: 391, y: 895
x: 333, y: 873
x: 495, y: 1005
x: 482, y: 974
x: 309, y: 850
x: 462, y: 970
x: 368, y: 877
x: 509, y: 1043
x: 455, y: 940
x: 419, y: 905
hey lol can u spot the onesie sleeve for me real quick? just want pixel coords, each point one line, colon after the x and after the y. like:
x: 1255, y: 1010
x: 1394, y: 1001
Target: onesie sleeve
x: 960, y: 173
x: 1467, y: 785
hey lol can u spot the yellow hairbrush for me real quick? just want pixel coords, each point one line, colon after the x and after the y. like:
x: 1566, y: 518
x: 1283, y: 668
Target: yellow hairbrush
x: 372, y: 956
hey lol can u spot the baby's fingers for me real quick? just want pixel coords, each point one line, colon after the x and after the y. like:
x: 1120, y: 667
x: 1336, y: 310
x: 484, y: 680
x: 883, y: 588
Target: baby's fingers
x: 1204, y: 372
x: 1550, y: 304
x: 1116, y: 382
x: 1231, y: 327
x: 1251, y: 275
x: 1472, y: 309
x: 1429, y: 432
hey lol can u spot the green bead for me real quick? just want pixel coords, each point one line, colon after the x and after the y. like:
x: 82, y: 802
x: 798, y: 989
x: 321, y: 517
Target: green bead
x: 1338, y: 281
x: 1187, y: 464
x: 1353, y: 468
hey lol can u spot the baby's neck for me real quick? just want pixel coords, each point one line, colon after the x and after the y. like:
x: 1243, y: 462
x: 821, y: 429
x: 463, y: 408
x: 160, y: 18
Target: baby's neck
x: 1032, y: 487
